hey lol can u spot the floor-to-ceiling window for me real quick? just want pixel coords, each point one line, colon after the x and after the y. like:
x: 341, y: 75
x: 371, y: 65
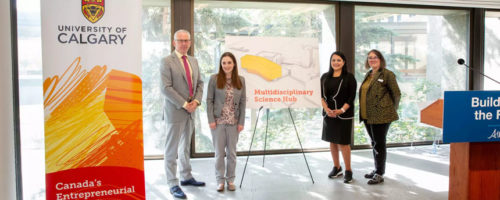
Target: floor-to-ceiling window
x: 215, y: 20
x: 31, y: 98
x: 492, y: 50
x: 156, y: 42
x: 421, y: 47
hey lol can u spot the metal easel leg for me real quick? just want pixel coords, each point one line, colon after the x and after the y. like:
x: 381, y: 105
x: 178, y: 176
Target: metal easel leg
x: 250, y: 149
x: 302, y: 149
x: 265, y: 138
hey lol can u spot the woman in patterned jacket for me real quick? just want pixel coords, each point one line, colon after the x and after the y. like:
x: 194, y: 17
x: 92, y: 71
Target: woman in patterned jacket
x: 378, y: 102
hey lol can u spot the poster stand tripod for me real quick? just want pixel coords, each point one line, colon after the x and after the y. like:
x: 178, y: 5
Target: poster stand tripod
x: 265, y: 143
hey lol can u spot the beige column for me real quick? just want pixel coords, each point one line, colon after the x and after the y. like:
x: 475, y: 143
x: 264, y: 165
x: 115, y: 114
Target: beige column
x: 7, y: 169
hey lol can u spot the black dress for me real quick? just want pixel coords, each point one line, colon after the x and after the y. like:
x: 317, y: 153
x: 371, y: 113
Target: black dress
x: 336, y: 91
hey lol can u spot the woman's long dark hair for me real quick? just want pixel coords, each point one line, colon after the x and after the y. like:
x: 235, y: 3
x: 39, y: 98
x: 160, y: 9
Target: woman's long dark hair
x: 344, y: 68
x: 221, y: 76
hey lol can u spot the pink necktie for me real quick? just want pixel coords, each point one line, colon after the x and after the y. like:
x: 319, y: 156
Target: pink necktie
x: 188, y: 75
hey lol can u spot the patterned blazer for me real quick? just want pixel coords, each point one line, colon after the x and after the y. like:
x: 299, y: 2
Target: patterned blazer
x: 382, y: 98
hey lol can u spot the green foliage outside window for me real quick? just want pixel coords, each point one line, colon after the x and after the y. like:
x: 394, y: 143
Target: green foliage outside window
x: 420, y: 79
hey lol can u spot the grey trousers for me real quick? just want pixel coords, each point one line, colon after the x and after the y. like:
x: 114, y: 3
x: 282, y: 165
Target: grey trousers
x: 178, y: 144
x: 225, y: 138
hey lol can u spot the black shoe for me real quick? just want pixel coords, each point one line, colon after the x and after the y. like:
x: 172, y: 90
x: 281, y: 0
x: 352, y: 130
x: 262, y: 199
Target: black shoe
x: 192, y: 182
x: 177, y: 192
x: 348, y: 176
x: 376, y: 179
x: 370, y: 175
x: 336, y: 172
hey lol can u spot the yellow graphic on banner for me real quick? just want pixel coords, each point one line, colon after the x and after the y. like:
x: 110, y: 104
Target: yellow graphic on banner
x: 261, y: 66
x: 93, y: 119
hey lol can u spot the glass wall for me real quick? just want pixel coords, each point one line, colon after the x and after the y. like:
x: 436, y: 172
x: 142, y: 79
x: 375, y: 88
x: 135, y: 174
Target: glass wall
x: 31, y: 98
x: 214, y: 20
x: 421, y: 47
x: 156, y: 42
x: 492, y: 50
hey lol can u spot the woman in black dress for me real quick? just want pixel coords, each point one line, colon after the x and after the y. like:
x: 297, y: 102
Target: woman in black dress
x: 338, y: 90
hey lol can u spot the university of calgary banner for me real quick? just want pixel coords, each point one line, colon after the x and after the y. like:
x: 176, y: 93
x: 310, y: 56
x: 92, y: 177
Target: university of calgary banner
x: 92, y: 99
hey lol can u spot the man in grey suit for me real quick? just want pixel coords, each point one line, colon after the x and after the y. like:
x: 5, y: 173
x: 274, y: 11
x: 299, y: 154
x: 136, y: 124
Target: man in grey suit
x: 182, y: 88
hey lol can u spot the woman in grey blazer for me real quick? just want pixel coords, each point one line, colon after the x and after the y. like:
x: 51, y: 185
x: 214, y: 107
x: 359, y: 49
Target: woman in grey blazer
x: 226, y: 99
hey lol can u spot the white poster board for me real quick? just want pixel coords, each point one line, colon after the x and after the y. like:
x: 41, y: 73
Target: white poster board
x: 280, y: 72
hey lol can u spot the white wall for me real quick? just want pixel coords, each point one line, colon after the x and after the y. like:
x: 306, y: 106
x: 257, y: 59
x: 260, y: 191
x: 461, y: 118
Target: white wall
x: 7, y: 170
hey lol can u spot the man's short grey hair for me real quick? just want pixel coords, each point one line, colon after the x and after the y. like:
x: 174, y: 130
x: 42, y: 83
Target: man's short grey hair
x: 181, y: 31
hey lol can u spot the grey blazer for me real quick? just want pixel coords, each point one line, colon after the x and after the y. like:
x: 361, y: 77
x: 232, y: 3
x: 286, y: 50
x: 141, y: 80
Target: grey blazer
x: 216, y: 98
x: 175, y: 88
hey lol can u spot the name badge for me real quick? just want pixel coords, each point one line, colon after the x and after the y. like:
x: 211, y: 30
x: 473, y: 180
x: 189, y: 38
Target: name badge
x: 380, y: 80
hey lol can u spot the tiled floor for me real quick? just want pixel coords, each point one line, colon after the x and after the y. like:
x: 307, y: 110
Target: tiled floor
x: 412, y: 173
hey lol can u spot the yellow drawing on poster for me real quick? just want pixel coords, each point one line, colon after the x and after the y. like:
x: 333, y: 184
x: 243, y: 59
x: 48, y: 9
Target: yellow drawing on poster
x: 261, y: 66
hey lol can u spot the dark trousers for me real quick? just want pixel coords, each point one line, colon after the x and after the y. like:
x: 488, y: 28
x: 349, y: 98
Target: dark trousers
x: 378, y: 133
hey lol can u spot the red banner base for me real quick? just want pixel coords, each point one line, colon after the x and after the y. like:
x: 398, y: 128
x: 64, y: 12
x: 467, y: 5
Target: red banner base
x: 96, y: 183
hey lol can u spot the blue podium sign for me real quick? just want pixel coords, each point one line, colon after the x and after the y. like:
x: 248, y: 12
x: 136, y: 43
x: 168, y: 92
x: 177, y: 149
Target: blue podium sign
x: 471, y: 116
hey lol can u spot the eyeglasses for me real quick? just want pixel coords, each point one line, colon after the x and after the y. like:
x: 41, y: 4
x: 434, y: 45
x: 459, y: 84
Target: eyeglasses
x: 183, y: 40
x: 372, y: 57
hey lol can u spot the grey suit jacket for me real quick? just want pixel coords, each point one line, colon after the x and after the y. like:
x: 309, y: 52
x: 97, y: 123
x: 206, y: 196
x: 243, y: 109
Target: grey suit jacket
x: 216, y: 98
x: 175, y: 88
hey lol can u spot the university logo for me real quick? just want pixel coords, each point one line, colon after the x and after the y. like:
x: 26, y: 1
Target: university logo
x: 93, y: 10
